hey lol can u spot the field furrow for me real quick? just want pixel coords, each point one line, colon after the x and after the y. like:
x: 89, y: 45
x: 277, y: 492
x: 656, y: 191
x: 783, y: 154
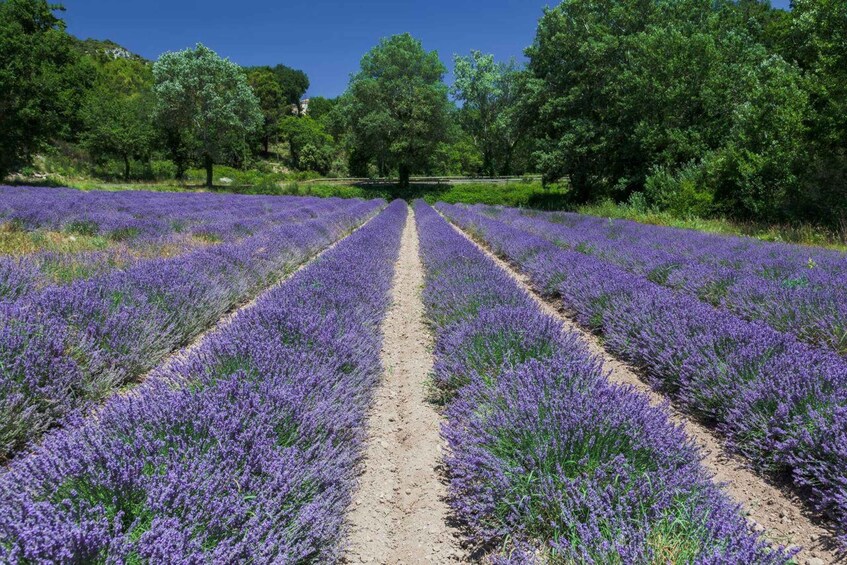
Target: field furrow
x: 244, y: 451
x: 779, y: 402
x: 547, y: 459
x: 399, y: 512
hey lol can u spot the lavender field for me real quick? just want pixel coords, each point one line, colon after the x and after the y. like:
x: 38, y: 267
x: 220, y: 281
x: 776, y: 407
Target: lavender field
x: 209, y: 378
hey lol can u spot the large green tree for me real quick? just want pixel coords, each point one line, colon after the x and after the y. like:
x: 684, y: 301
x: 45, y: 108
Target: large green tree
x: 675, y: 97
x: 117, y: 114
x: 206, y: 101
x: 294, y: 84
x: 320, y: 107
x: 311, y: 147
x: 819, y: 42
x: 397, y: 107
x: 492, y: 108
x: 41, y: 80
x: 272, y: 100
x: 119, y: 126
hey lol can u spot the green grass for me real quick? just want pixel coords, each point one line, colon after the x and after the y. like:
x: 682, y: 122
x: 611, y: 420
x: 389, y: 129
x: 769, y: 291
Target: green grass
x: 523, y: 194
x: 803, y: 234
x: 15, y: 241
x: 528, y: 194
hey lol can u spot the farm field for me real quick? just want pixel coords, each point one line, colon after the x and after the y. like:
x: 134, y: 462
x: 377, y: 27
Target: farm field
x: 278, y: 379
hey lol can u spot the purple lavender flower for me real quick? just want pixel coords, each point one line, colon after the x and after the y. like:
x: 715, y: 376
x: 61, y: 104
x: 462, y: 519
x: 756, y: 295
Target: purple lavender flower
x: 93, y: 336
x: 780, y: 402
x: 546, y: 458
x: 246, y: 450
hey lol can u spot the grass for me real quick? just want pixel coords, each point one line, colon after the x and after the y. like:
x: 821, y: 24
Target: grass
x: 521, y: 194
x: 14, y: 241
x: 803, y: 234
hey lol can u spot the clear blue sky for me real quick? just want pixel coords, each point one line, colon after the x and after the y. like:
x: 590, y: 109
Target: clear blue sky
x: 325, y: 38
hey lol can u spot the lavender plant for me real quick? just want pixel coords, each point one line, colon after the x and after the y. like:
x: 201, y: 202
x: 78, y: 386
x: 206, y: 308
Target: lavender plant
x: 99, y: 232
x: 779, y: 402
x: 85, y: 340
x: 549, y: 461
x: 245, y: 451
x: 792, y: 288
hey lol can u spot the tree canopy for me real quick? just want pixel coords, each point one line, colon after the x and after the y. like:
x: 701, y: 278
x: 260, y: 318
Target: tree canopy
x: 492, y: 112
x: 667, y: 99
x: 396, y: 107
x: 208, y: 103
x: 41, y: 80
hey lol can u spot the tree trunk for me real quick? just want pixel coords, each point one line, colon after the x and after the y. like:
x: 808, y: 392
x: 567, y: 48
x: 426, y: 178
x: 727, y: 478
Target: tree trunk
x: 126, y: 167
x: 267, y: 141
x: 507, y: 163
x: 404, y: 176
x: 488, y: 163
x: 209, y: 171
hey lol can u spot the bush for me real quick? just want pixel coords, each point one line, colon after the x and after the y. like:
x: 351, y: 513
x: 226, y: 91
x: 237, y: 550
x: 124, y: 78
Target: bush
x: 682, y: 193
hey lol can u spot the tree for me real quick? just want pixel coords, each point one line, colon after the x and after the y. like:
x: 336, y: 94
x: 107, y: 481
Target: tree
x: 458, y: 155
x: 310, y: 145
x: 819, y: 34
x: 294, y: 84
x: 207, y: 103
x: 491, y: 112
x: 272, y: 100
x: 119, y: 126
x: 41, y: 78
x: 679, y: 91
x: 117, y: 114
x: 397, y: 107
x: 320, y: 107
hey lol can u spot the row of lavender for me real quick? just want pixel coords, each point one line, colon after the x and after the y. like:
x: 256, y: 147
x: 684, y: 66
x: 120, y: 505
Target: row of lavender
x: 794, y: 289
x: 66, y: 347
x: 246, y: 451
x: 20, y: 276
x: 547, y: 459
x: 133, y: 233
x: 780, y: 402
x: 140, y: 213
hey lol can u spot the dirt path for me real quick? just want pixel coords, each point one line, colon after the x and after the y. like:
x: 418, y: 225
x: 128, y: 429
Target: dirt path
x: 399, y: 513
x: 773, y: 510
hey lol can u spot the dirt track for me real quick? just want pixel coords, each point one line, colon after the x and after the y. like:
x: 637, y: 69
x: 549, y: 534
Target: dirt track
x: 399, y: 512
x: 773, y: 509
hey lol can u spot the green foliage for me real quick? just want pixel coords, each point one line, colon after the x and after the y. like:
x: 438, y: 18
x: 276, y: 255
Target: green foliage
x: 493, y: 113
x: 41, y: 78
x: 637, y: 210
x: 819, y: 39
x: 396, y: 108
x: 207, y: 104
x: 320, y: 107
x: 311, y: 147
x: 459, y: 155
x: 677, y: 87
x: 118, y: 126
x: 272, y: 101
x: 294, y: 84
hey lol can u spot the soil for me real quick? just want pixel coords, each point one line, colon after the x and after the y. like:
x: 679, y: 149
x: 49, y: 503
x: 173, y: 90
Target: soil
x: 399, y: 512
x: 773, y: 509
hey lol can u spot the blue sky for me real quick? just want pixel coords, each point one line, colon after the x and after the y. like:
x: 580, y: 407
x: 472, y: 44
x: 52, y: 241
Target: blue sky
x: 325, y: 38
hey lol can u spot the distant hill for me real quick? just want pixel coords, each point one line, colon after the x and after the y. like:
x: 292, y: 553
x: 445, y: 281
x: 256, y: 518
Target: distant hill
x: 106, y: 50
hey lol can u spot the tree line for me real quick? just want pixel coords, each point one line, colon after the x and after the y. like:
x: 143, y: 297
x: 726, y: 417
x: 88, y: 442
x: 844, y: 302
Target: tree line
x: 699, y: 107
